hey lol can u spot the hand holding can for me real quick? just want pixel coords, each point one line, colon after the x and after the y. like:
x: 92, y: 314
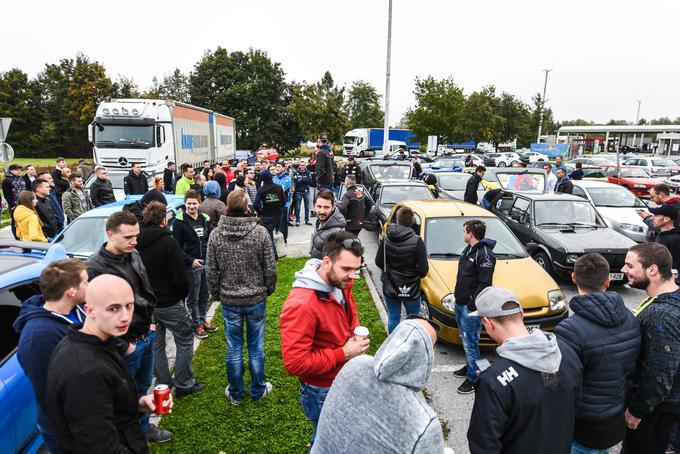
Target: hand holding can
x: 162, y: 399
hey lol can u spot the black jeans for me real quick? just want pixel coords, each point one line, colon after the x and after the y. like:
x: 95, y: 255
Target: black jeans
x: 652, y: 435
x: 270, y: 224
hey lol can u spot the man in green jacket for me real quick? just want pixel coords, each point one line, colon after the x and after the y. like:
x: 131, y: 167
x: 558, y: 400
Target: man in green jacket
x: 183, y: 185
x: 75, y: 200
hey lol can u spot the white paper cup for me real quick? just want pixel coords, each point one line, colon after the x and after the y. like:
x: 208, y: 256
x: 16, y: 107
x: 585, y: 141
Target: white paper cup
x: 361, y: 331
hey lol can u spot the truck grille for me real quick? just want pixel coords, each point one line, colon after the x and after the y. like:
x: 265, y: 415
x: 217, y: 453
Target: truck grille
x: 121, y: 162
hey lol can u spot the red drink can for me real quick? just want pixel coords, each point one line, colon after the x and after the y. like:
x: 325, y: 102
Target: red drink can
x: 161, y: 399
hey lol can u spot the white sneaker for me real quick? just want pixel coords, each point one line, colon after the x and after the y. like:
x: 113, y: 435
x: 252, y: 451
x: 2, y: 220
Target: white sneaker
x: 268, y: 389
x: 231, y: 399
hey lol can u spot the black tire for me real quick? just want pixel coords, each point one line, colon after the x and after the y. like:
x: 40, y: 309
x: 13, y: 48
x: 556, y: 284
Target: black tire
x: 513, y: 163
x: 501, y: 164
x: 544, y: 262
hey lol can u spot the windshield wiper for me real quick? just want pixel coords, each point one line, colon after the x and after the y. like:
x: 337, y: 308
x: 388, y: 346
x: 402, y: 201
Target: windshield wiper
x: 551, y: 224
x: 443, y: 254
x: 581, y: 224
x: 511, y: 255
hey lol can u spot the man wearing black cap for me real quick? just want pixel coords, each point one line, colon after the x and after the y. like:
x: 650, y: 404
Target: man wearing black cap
x: 663, y: 218
x: 526, y: 400
x: 12, y: 185
x: 352, y: 168
x: 325, y: 164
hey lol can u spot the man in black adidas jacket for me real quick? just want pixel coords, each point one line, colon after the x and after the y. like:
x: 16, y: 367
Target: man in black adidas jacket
x: 526, y: 401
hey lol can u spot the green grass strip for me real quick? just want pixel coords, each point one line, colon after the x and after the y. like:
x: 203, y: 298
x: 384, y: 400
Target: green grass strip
x: 207, y: 423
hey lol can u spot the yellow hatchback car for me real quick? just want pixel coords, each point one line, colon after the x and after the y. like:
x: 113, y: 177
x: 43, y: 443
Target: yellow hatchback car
x: 440, y: 224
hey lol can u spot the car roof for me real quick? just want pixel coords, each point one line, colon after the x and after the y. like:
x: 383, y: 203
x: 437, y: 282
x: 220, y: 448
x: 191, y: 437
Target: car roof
x: 19, y: 266
x: 547, y: 195
x: 109, y: 209
x: 437, y: 208
x: 594, y: 184
x: 397, y: 182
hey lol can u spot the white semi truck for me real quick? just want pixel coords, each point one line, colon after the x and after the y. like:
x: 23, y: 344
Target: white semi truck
x: 153, y: 132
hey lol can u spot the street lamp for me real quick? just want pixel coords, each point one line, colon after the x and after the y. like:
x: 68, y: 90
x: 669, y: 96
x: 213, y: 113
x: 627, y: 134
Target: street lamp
x: 386, y: 130
x: 543, y: 100
x: 637, y: 117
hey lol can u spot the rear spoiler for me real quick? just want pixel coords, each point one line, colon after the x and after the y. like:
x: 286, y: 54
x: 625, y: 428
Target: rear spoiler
x: 51, y: 250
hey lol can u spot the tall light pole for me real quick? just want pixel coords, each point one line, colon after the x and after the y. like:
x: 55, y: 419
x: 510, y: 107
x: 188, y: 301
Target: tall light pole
x: 542, y: 108
x: 387, y: 81
x: 637, y: 117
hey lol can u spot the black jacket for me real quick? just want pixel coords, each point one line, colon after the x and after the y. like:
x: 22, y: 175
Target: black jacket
x: 518, y: 410
x: 135, y: 184
x: 60, y: 184
x: 335, y: 223
x: 91, y: 398
x: 301, y: 181
x: 671, y: 239
x: 576, y: 175
x: 475, y: 271
x: 270, y: 200
x: 606, y: 337
x: 354, y: 206
x: 101, y: 192
x: 652, y: 231
x: 169, y: 180
x: 47, y: 217
x: 402, y: 257
x: 351, y: 169
x: 471, y: 189
x: 164, y: 264
x: 11, y: 187
x: 131, y: 268
x: 183, y: 229
x: 565, y: 186
x: 325, y: 167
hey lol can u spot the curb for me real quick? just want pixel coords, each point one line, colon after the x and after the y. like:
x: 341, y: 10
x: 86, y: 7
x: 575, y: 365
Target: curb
x: 377, y: 301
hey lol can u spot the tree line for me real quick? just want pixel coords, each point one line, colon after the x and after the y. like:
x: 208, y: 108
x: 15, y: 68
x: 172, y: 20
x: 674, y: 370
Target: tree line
x: 51, y: 111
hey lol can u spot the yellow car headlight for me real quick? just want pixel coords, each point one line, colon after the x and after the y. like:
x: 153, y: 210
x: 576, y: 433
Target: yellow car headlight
x: 558, y: 302
x: 449, y: 302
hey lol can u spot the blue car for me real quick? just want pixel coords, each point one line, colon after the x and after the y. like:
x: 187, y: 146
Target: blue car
x: 445, y: 163
x: 21, y: 263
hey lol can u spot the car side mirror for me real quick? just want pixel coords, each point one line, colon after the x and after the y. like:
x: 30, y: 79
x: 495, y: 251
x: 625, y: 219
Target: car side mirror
x: 531, y: 247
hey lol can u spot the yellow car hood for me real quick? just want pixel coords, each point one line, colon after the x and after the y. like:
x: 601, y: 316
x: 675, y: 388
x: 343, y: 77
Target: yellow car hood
x: 524, y: 276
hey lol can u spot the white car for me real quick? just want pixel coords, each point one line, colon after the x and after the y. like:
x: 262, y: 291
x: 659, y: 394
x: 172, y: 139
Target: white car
x: 533, y: 156
x: 617, y: 205
x: 505, y: 159
x: 655, y: 166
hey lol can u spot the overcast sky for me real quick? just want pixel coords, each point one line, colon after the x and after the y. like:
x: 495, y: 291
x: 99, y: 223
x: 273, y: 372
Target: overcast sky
x: 605, y: 54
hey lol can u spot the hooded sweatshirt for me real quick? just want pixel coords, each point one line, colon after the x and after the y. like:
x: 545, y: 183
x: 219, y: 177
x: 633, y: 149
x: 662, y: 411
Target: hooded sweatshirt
x: 40, y: 331
x: 671, y: 239
x: 375, y: 404
x: 316, y: 321
x: 28, y: 224
x: 527, y: 400
x: 240, y: 263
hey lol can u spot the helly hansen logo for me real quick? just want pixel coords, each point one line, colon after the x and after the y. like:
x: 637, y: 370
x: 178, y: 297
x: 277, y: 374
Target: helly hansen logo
x: 507, y: 376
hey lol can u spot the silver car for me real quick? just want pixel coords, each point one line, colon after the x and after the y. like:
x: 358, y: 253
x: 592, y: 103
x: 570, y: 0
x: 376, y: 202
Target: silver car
x: 617, y: 206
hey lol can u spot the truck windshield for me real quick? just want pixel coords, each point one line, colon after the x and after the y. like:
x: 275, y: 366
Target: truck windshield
x: 127, y: 136
x: 349, y: 140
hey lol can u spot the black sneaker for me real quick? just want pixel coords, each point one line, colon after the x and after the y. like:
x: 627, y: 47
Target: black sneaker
x: 467, y: 387
x: 461, y: 373
x: 308, y: 223
x: 181, y: 392
x: 156, y: 435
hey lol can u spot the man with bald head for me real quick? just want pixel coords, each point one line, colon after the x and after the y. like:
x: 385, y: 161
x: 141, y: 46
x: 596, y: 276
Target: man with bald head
x: 92, y: 399
x: 375, y: 404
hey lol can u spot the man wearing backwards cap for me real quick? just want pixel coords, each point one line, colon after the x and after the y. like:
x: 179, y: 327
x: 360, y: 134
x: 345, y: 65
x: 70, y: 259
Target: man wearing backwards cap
x: 526, y: 401
x: 664, y: 218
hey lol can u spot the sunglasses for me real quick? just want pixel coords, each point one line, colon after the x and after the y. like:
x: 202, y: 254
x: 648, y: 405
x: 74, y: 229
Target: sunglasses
x: 347, y: 244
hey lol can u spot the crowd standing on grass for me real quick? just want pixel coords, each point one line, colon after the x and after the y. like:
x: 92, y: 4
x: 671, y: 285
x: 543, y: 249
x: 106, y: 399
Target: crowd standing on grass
x: 92, y: 349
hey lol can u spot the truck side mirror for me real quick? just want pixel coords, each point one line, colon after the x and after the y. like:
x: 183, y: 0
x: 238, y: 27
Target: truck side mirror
x: 90, y: 133
x: 160, y: 134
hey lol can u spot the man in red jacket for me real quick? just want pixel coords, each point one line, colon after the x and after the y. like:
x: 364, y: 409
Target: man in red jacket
x: 318, y: 321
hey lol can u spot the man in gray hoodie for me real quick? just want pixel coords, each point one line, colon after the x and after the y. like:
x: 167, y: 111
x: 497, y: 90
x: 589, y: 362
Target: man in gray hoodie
x: 527, y: 400
x: 375, y: 404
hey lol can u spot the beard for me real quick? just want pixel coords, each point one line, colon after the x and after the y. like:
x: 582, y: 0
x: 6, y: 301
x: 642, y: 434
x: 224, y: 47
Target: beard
x: 641, y: 283
x: 337, y: 282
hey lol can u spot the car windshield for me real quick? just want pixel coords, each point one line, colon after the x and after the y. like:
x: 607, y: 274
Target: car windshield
x: 127, y: 136
x: 634, y: 173
x: 522, y: 182
x: 443, y: 241
x: 564, y: 212
x: 663, y: 162
x: 386, y: 172
x: 348, y: 140
x: 392, y: 195
x: 449, y: 162
x: 454, y: 182
x: 493, y: 155
x: 84, y: 236
x: 614, y: 197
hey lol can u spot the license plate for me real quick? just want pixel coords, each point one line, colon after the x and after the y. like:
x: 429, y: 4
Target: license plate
x: 616, y: 276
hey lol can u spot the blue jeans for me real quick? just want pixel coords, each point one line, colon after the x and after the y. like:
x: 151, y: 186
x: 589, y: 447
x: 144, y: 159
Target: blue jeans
x: 470, y: 328
x: 312, y: 399
x: 270, y: 224
x: 394, y: 310
x: 197, y: 300
x: 298, y: 199
x: 578, y: 448
x: 139, y: 365
x: 255, y: 317
x: 321, y: 186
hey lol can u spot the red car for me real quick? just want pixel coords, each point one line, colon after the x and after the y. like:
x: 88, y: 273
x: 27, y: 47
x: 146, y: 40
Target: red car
x: 270, y: 153
x: 635, y: 179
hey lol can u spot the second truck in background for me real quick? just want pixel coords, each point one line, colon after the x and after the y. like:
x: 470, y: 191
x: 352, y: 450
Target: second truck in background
x: 153, y: 132
x: 369, y: 141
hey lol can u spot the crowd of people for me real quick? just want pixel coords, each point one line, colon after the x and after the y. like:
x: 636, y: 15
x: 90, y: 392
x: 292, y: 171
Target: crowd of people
x: 93, y: 341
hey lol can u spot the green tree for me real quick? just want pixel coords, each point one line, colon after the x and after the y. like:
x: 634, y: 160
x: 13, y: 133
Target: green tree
x: 482, y: 121
x: 20, y: 101
x: 249, y: 87
x: 125, y: 87
x: 363, y: 106
x: 548, y: 124
x: 613, y: 122
x: 516, y: 120
x: 175, y: 86
x: 439, y: 110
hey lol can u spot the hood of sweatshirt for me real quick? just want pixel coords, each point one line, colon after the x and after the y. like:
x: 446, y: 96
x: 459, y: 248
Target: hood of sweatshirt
x: 406, y: 356
x: 486, y: 242
x: 604, y: 308
x: 32, y: 309
x: 21, y: 213
x: 235, y: 228
x: 149, y: 235
x: 538, y: 351
x: 397, y: 233
x: 307, y: 277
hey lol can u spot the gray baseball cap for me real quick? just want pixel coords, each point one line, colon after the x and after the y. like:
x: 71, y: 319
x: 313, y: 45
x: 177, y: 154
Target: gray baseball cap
x: 490, y: 302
